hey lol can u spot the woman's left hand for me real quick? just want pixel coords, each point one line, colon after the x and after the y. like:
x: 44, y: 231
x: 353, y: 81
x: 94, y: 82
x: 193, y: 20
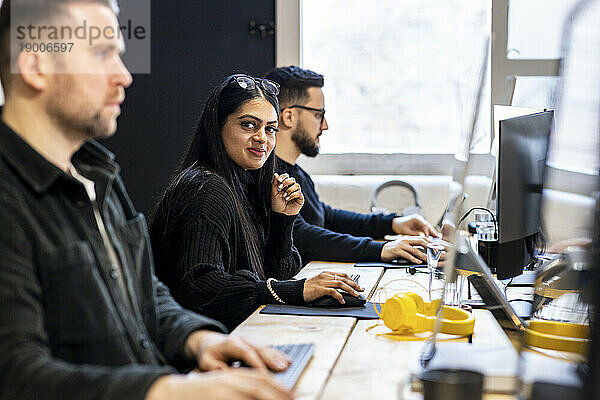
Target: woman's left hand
x: 286, y: 195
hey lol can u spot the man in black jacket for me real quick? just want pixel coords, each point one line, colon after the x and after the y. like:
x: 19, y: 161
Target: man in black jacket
x: 322, y: 232
x: 82, y: 314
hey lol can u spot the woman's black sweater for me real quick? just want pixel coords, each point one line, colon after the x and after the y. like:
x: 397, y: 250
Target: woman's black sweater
x: 199, y: 248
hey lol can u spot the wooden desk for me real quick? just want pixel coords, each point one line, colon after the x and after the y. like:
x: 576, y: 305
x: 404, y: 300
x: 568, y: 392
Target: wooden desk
x: 350, y: 362
x: 328, y: 333
x: 372, y: 366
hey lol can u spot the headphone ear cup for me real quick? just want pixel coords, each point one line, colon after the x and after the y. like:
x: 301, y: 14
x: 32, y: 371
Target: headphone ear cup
x: 409, y: 310
x: 419, y: 320
x: 399, y: 312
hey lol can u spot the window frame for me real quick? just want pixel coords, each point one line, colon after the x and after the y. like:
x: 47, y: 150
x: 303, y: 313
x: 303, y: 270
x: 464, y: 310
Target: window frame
x: 288, y: 51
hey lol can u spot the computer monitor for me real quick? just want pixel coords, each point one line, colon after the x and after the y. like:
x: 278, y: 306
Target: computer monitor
x: 521, y: 162
x: 592, y: 379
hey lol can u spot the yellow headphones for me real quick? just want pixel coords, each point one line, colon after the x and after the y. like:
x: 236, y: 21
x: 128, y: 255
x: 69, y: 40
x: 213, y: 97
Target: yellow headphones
x: 407, y: 313
x: 561, y: 336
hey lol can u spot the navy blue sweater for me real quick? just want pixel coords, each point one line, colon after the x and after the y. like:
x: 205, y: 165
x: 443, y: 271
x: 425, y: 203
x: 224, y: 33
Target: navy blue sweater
x: 327, y: 234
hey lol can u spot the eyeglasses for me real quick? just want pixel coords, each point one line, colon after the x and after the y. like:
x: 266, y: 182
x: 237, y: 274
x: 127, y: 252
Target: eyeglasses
x: 318, y: 110
x: 250, y: 83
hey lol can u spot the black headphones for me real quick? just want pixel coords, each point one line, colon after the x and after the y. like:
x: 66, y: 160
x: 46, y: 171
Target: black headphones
x: 415, y: 209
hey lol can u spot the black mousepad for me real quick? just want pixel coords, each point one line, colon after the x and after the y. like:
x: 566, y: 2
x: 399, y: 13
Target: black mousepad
x: 363, y: 312
x: 389, y: 265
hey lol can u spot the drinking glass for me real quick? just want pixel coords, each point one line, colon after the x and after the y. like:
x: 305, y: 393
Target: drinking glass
x: 434, y: 252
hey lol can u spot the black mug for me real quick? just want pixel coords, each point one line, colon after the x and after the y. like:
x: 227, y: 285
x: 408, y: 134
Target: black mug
x: 452, y: 384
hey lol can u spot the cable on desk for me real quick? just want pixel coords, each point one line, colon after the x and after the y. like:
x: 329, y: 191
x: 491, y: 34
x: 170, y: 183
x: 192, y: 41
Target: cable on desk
x: 465, y: 215
x: 526, y: 300
x: 507, y: 285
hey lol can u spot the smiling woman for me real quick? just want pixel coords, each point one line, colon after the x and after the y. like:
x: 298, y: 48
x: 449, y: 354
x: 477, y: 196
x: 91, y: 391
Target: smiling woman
x: 222, y: 233
x: 249, y: 133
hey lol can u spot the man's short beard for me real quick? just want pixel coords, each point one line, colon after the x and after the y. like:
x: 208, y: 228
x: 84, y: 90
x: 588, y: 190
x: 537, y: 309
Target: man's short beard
x: 76, y: 121
x: 308, y: 146
x: 90, y: 128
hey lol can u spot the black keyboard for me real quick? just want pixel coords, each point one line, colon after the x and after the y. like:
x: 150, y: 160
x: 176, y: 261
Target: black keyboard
x: 300, y: 354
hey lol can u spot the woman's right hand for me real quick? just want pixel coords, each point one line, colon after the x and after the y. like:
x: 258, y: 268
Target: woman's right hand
x: 286, y: 195
x: 327, y: 283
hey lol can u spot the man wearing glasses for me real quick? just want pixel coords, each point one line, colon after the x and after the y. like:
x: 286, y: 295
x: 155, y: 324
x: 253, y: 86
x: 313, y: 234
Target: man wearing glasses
x: 322, y: 232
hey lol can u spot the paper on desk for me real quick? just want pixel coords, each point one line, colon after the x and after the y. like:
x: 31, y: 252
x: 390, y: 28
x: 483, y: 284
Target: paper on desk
x: 499, y: 364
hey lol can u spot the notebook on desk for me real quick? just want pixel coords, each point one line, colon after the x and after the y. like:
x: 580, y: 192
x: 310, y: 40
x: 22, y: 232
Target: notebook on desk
x: 499, y: 364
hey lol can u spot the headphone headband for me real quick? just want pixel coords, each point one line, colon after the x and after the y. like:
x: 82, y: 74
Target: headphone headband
x: 561, y: 336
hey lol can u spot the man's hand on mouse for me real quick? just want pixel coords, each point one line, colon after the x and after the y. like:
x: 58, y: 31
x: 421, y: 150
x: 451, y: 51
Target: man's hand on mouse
x: 407, y: 249
x: 414, y: 225
x: 327, y: 284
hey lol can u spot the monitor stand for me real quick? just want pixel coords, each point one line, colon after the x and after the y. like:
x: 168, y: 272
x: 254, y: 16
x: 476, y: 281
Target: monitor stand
x: 511, y: 258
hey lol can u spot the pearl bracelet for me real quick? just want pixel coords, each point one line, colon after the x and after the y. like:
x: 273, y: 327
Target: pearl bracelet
x: 272, y: 291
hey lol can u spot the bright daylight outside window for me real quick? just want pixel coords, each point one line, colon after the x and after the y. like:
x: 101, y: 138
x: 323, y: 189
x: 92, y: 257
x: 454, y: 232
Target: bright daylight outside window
x: 400, y: 75
x: 535, y: 28
x: 575, y: 142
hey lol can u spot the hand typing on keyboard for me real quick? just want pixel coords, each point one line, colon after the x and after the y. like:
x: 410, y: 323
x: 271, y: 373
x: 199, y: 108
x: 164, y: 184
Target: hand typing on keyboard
x: 214, y: 351
x: 300, y: 355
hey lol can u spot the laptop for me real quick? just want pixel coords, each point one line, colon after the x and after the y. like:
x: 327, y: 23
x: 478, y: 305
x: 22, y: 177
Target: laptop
x: 480, y: 276
x: 498, y: 362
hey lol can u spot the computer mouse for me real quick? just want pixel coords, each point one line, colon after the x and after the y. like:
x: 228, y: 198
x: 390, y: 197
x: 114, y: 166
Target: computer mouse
x: 404, y: 261
x: 332, y: 302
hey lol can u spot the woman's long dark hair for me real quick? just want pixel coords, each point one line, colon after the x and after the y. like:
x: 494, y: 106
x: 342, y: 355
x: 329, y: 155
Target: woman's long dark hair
x: 206, y: 151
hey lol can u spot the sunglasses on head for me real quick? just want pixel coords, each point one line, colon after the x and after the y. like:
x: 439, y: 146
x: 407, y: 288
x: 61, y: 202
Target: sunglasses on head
x: 250, y: 83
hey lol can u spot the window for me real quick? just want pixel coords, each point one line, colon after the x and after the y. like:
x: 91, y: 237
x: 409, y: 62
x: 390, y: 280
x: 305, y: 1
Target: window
x: 576, y: 143
x: 400, y: 75
x: 535, y: 28
x: 535, y: 91
x: 552, y: 29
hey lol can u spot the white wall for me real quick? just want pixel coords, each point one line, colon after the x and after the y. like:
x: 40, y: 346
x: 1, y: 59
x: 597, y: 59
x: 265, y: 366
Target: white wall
x: 565, y: 215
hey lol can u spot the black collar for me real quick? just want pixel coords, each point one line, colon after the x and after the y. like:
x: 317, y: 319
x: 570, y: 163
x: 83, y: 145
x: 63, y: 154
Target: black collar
x: 39, y: 173
x: 246, y: 176
x: 286, y: 164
